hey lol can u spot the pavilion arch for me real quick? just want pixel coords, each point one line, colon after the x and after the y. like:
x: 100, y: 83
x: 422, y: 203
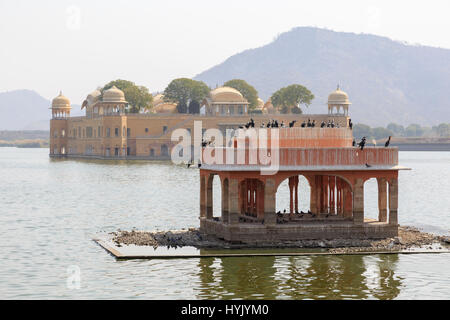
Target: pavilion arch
x: 331, y: 194
x: 251, y: 198
x: 290, y: 185
x: 225, y: 198
x: 376, y: 210
x: 213, y: 192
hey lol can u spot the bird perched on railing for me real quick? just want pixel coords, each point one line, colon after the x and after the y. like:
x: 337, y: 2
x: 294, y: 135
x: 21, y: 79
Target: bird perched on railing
x: 362, y: 143
x: 387, y: 142
x: 291, y: 124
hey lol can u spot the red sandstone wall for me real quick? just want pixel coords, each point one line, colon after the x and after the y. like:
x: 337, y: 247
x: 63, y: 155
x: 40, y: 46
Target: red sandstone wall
x: 329, y: 156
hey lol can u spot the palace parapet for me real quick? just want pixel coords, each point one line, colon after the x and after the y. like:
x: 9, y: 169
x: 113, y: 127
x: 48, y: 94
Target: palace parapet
x: 335, y: 172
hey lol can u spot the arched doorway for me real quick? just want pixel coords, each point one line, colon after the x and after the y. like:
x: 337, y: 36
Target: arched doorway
x: 370, y: 199
x: 225, y: 200
x: 375, y: 199
x: 334, y: 196
x: 251, y: 198
x: 293, y: 195
x: 213, y: 197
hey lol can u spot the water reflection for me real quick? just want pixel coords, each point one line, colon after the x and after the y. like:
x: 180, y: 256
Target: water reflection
x: 312, y: 277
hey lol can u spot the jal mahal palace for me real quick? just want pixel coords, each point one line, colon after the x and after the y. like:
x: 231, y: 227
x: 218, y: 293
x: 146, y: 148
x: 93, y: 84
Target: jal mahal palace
x: 335, y: 170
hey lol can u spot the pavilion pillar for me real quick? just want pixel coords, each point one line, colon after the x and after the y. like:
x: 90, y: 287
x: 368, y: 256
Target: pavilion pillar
x: 382, y: 199
x: 316, y: 195
x: 225, y: 201
x: 313, y: 194
x: 325, y: 184
x: 260, y: 200
x: 332, y: 195
x: 209, y: 197
x: 243, y: 196
x: 341, y: 197
x: 358, y: 202
x: 347, y: 202
x: 233, y: 201
x: 338, y: 197
x: 393, y: 201
x: 320, y: 195
x: 202, y: 196
x: 296, y: 193
x: 291, y: 195
x: 251, y: 204
x: 270, y: 217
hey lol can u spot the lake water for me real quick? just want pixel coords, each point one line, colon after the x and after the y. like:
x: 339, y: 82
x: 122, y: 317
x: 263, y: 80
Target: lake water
x: 51, y: 209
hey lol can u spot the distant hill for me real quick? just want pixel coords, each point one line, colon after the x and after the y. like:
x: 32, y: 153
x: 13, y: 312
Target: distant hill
x: 26, y: 110
x: 387, y: 81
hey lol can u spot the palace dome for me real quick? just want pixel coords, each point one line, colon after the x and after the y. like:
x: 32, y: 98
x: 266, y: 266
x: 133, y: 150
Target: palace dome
x: 113, y: 95
x: 93, y: 97
x: 61, y: 102
x: 268, y: 106
x: 338, y: 97
x: 158, y: 99
x: 227, y: 94
x: 165, y: 107
x: 260, y: 105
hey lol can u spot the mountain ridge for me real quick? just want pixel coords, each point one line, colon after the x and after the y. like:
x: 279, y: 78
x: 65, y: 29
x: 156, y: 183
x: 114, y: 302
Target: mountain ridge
x: 387, y: 80
x: 25, y: 109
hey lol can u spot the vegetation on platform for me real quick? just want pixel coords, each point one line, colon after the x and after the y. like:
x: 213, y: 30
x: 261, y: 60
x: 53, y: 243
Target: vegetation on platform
x: 288, y: 99
x: 247, y: 90
x: 138, y: 97
x: 187, y: 94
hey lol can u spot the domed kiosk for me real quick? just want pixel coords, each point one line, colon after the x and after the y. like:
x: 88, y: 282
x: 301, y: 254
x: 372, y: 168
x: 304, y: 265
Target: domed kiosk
x: 161, y: 106
x: 165, y: 107
x: 225, y: 101
x: 338, y: 100
x: 260, y: 105
x: 60, y: 107
x: 268, y: 107
x: 58, y: 125
x: 114, y: 94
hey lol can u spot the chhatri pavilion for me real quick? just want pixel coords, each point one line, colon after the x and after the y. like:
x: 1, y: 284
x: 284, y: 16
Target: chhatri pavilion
x: 335, y: 170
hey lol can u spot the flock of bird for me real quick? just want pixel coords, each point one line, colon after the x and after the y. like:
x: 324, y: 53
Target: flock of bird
x: 362, y: 143
x: 274, y: 124
x: 270, y: 124
x: 300, y: 214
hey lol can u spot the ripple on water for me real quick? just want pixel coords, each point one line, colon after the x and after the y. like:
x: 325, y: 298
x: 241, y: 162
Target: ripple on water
x: 69, y: 201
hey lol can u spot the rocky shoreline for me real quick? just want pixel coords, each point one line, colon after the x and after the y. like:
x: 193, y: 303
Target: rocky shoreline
x: 408, y: 238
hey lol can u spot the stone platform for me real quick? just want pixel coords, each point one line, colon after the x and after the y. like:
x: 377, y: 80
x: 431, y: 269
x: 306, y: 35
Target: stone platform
x: 298, y: 230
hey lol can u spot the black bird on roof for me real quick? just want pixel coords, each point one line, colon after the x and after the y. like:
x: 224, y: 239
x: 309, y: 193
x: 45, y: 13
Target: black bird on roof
x: 368, y: 165
x: 387, y: 142
x: 362, y: 143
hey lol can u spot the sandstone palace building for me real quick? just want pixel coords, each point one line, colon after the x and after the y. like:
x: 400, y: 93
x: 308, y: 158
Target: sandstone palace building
x: 108, y: 132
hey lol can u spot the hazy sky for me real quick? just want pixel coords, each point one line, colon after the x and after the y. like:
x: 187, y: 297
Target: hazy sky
x: 76, y: 46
